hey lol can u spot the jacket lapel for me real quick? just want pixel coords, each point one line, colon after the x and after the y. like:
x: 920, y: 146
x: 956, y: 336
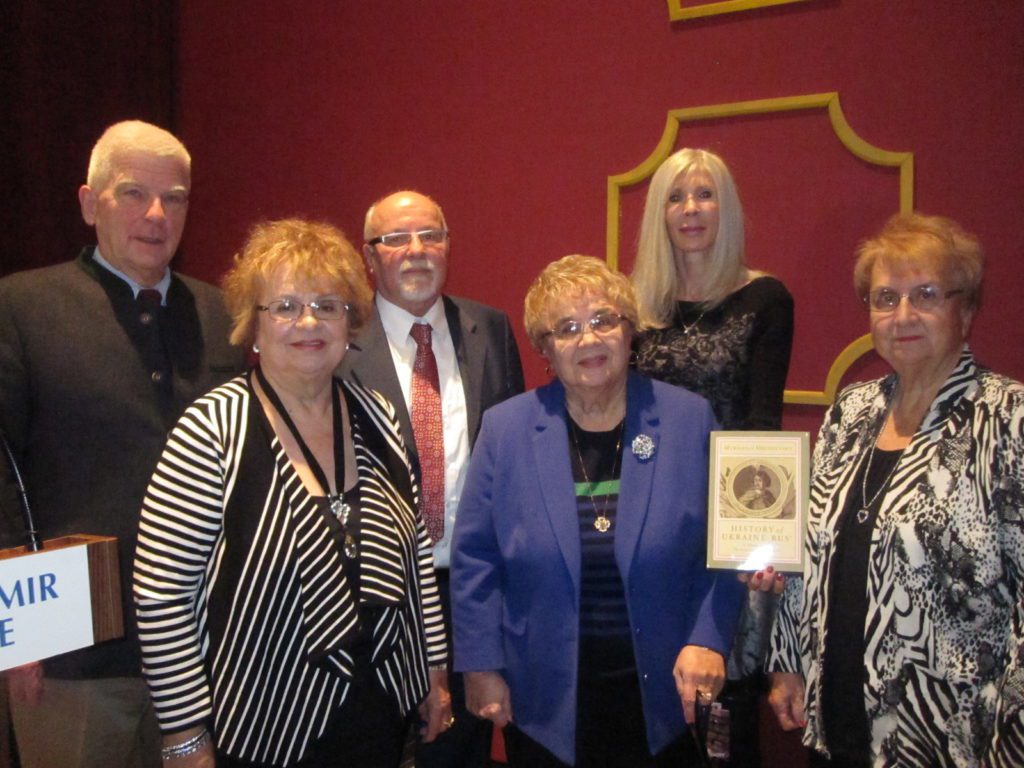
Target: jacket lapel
x: 942, y: 429
x: 369, y: 362
x: 551, y: 452
x: 637, y: 475
x: 471, y: 352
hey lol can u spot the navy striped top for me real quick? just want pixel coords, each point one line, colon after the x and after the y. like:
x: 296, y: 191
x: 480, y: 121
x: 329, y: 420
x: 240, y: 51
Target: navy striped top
x: 605, y: 641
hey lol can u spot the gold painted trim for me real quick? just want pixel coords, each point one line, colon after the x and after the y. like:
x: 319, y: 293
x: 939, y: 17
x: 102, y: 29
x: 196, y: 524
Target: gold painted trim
x: 676, y: 11
x: 846, y: 135
x: 840, y: 365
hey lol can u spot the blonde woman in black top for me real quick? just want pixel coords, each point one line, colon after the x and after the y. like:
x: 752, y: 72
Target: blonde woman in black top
x: 722, y: 330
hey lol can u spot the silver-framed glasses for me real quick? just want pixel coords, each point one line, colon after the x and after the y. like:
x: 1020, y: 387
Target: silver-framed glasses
x: 925, y: 297
x: 429, y: 238
x: 288, y: 309
x: 571, y: 329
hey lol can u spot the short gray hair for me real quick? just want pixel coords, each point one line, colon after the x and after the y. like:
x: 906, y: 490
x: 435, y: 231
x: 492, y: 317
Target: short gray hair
x: 127, y: 136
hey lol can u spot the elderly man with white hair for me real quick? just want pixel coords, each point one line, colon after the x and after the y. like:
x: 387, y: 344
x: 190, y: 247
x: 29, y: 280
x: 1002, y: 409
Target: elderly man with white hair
x: 98, y: 358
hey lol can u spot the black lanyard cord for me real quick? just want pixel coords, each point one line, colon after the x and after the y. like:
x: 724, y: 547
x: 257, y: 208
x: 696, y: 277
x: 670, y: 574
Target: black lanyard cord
x: 339, y: 437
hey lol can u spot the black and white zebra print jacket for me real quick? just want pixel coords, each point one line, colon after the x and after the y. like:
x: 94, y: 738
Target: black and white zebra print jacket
x: 945, y: 625
x: 244, y: 606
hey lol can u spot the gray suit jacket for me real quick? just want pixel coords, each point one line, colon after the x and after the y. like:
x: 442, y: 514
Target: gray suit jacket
x: 82, y: 412
x: 484, y: 346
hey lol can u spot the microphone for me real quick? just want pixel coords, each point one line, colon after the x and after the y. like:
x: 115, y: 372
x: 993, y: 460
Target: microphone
x: 31, y: 534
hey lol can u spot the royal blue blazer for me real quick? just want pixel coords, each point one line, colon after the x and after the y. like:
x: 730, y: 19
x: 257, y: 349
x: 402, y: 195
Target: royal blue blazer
x: 516, y: 557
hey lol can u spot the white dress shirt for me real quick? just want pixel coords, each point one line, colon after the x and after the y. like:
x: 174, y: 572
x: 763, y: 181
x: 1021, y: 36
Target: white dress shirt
x: 397, y: 323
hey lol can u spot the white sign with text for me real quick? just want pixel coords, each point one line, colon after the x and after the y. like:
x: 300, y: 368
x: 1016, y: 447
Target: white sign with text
x: 45, y: 607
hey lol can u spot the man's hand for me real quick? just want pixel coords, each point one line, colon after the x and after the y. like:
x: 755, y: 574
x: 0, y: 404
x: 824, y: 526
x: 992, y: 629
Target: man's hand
x: 487, y: 696
x: 26, y: 683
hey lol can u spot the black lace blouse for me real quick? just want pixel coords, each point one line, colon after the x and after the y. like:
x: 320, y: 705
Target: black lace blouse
x: 735, y: 355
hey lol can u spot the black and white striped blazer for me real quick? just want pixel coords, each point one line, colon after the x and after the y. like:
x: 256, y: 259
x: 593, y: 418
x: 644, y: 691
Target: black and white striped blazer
x: 944, y: 632
x: 243, y: 600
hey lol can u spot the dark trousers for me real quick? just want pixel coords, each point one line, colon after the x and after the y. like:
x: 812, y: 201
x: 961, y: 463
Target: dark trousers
x: 610, y: 733
x: 467, y: 744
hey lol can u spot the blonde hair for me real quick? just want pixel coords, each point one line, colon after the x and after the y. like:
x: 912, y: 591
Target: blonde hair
x: 654, y: 273
x: 131, y: 136
x: 913, y: 241
x: 310, y: 251
x: 572, y: 277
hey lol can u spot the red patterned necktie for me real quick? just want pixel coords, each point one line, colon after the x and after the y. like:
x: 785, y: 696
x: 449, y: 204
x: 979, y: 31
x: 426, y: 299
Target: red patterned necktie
x: 428, y: 431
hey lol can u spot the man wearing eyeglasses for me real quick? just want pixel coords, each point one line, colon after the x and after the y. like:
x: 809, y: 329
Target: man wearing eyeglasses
x: 98, y: 358
x: 442, y: 361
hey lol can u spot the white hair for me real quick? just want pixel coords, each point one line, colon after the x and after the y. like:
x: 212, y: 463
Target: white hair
x: 131, y: 135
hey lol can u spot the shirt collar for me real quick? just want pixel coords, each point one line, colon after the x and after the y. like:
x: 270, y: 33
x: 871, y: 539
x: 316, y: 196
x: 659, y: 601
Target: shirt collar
x: 398, y: 321
x: 162, y: 286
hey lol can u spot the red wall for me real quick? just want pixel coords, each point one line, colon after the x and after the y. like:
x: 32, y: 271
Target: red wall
x: 513, y: 115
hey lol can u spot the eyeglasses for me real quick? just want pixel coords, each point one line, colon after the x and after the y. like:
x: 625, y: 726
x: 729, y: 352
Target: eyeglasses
x: 288, y: 310
x: 570, y: 330
x: 926, y: 298
x: 427, y: 237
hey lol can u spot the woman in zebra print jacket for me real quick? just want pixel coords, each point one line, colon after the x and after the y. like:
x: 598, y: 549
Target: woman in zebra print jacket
x: 283, y: 579
x: 903, y: 644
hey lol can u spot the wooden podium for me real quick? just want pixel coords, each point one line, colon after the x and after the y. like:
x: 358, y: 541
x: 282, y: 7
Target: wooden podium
x: 64, y: 597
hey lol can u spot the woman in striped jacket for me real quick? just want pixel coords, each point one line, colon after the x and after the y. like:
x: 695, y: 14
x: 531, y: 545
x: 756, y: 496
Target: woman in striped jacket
x: 283, y: 578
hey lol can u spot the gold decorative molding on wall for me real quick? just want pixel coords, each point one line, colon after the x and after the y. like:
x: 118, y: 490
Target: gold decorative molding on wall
x: 677, y: 12
x: 846, y: 135
x: 850, y: 354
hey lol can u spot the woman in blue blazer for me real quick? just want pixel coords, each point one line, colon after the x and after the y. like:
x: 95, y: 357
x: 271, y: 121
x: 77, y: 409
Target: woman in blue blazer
x: 583, y: 612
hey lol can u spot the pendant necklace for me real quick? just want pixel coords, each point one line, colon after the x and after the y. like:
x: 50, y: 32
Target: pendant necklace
x: 687, y: 329
x: 601, y: 522
x: 863, y: 513
x: 335, y: 501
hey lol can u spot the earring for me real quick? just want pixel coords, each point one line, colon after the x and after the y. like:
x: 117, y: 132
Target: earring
x: 255, y: 347
x: 348, y: 346
x: 547, y: 369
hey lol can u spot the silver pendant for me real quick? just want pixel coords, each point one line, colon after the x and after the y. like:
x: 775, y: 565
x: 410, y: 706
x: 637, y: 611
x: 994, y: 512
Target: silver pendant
x: 602, y: 523
x: 351, y: 550
x: 340, y: 509
x: 862, y: 515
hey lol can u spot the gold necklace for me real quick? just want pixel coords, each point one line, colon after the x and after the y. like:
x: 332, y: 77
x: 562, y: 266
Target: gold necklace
x: 601, y: 522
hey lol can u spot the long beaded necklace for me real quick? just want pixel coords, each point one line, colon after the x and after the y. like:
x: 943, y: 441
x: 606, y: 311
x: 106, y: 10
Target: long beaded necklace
x: 601, y: 522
